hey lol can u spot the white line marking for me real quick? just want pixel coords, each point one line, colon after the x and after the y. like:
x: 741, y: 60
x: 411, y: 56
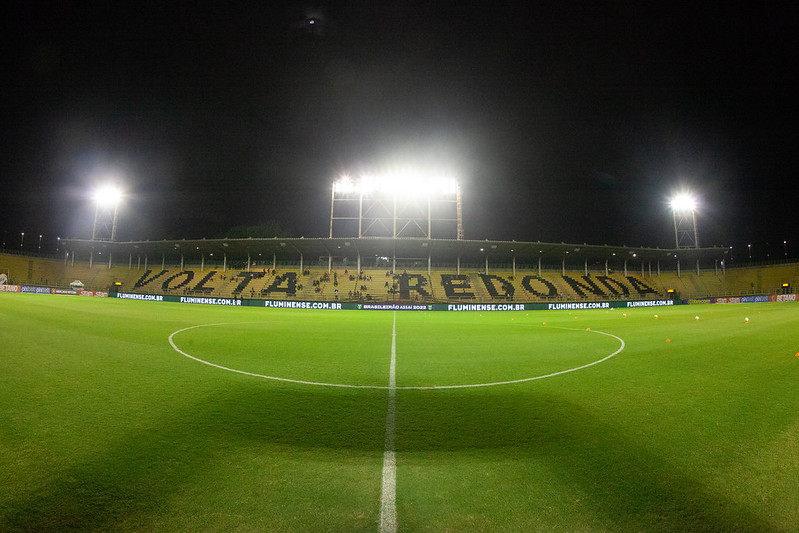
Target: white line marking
x: 388, y: 494
x: 302, y: 382
x: 383, y: 387
x: 533, y: 378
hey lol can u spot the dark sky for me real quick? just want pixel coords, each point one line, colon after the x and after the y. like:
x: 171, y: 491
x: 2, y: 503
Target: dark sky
x: 564, y: 121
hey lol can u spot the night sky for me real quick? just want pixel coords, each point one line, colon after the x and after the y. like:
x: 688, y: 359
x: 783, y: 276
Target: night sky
x: 563, y: 121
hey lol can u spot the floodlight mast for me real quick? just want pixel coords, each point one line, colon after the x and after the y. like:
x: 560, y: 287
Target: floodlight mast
x: 683, y: 207
x: 395, y: 207
x: 106, y: 197
x: 332, y: 205
x: 459, y: 211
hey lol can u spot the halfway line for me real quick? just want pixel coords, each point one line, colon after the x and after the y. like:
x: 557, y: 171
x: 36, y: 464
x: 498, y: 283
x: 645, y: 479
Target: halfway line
x: 388, y: 503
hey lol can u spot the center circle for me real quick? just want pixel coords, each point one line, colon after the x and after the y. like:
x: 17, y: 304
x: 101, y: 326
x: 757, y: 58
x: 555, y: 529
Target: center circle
x: 249, y: 345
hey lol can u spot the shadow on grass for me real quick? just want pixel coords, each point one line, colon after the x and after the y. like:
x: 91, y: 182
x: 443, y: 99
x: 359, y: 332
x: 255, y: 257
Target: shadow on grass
x: 140, y: 470
x: 629, y: 486
x: 132, y: 480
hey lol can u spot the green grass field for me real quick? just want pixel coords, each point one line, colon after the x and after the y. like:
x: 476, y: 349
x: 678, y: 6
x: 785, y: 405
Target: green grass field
x: 694, y: 425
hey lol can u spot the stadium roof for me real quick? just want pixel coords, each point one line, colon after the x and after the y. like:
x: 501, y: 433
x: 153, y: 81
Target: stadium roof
x: 439, y: 250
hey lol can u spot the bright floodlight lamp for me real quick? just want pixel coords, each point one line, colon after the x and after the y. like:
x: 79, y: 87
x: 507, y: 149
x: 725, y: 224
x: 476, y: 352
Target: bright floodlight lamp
x: 398, y: 203
x: 405, y: 185
x: 107, y: 195
x: 106, y: 198
x: 683, y: 202
x: 344, y: 185
x: 683, y: 207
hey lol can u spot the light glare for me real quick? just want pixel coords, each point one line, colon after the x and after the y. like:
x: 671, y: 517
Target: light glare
x: 107, y: 195
x: 683, y: 202
x: 405, y: 184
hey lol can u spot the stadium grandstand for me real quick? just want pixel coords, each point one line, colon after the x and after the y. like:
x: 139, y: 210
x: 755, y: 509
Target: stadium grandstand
x: 385, y: 245
x: 370, y: 269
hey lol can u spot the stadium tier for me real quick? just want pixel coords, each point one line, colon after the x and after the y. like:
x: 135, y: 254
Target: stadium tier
x: 385, y: 285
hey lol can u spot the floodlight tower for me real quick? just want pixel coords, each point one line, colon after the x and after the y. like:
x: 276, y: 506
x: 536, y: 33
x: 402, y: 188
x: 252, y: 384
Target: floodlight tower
x: 683, y: 207
x: 459, y: 211
x: 106, y: 198
x: 406, y: 205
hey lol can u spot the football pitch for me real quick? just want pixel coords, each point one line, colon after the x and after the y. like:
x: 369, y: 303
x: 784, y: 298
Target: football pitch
x: 141, y: 416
